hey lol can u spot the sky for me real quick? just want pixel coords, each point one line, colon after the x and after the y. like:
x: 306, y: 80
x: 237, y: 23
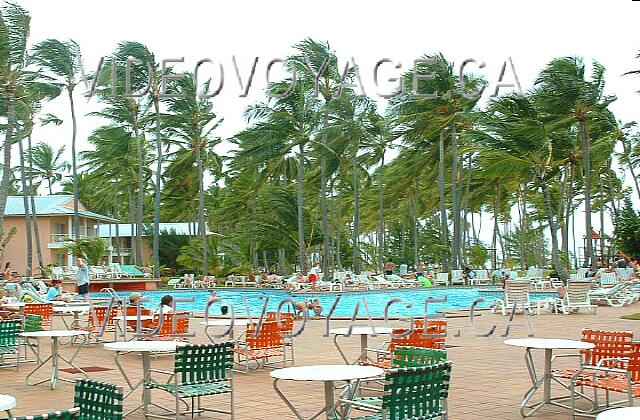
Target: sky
x: 528, y: 33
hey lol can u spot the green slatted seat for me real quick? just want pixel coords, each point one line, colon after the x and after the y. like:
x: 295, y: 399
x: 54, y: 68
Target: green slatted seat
x: 412, y: 393
x: 416, y: 356
x: 9, y: 330
x: 93, y: 400
x: 32, y: 323
x: 200, y: 370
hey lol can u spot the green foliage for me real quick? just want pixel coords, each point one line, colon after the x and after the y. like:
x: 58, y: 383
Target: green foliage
x: 93, y: 250
x: 627, y: 230
x: 190, y: 256
x: 170, y: 246
x: 477, y: 254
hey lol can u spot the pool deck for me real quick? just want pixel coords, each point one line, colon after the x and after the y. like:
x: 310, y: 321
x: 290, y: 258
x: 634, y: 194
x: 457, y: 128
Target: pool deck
x: 488, y: 378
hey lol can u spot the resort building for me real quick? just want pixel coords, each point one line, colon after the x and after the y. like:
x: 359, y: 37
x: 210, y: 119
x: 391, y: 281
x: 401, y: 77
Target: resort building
x: 55, y: 224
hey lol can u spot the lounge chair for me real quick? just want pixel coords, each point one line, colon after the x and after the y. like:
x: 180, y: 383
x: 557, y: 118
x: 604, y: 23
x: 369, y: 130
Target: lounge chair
x: 481, y: 277
x: 608, y: 278
x: 175, y: 283
x: 577, y: 297
x: 441, y: 279
x: 457, y: 277
x: 616, y: 296
x: 516, y: 292
x: 57, y: 273
x: 9, y: 330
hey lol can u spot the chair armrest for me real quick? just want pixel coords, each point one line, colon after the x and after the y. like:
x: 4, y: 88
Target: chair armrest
x: 612, y: 359
x: 361, y: 406
x: 165, y: 372
x: 600, y: 369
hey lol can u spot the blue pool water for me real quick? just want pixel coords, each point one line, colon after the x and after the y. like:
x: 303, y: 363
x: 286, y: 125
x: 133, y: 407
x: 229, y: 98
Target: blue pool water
x: 410, y: 301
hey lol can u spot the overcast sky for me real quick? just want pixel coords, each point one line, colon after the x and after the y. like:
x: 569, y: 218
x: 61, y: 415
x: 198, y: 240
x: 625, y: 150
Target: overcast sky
x: 531, y: 33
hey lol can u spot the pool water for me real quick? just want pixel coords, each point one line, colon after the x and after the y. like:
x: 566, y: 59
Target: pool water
x: 405, y: 301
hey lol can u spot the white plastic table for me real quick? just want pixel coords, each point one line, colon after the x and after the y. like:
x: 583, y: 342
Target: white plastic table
x: 328, y: 374
x: 548, y: 345
x: 75, y: 310
x: 54, y: 335
x: 7, y: 402
x: 625, y: 413
x: 145, y: 348
x: 364, y: 333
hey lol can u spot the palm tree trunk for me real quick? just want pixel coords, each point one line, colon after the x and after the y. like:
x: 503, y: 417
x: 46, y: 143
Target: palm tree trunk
x: 338, y: 234
x: 455, y: 242
x: 8, y: 142
x: 302, y: 259
x: 281, y: 261
x: 381, y: 216
x: 139, y: 208
x: 414, y: 219
x: 133, y: 257
x: 614, y: 209
x: 326, y: 249
x: 555, y: 255
x: 74, y: 165
x: 568, y: 212
x: 523, y: 226
x: 27, y: 212
x: 444, y: 230
x: 34, y: 212
x: 356, y: 212
x: 626, y: 151
x: 156, y: 211
x: 201, y: 216
x: 586, y: 165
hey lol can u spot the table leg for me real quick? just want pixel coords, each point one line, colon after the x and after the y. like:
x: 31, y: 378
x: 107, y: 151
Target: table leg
x: 54, y: 362
x: 547, y: 375
x: 364, y: 343
x: 146, y: 375
x: 335, y: 343
x: 329, y: 400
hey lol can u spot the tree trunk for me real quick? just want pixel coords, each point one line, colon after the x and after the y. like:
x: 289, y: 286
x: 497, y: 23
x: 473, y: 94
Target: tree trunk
x: 555, y: 255
x: 302, y: 259
x: 627, y: 152
x: 586, y: 165
x: 356, y: 212
x: 8, y: 142
x: 455, y: 241
x: 444, y: 230
x: 156, y: 210
x: 34, y: 212
x: 74, y: 166
x: 523, y: 227
x: 281, y: 261
x: 27, y: 212
x: 381, y: 216
x: 569, y: 209
x: 338, y: 234
x: 414, y: 219
x: 202, y: 224
x: 139, y: 209
x: 326, y: 250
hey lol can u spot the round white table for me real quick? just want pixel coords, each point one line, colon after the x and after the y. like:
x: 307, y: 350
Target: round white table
x: 625, y: 413
x: 364, y: 333
x: 548, y: 345
x: 328, y: 374
x: 54, y: 335
x: 145, y: 348
x: 7, y: 402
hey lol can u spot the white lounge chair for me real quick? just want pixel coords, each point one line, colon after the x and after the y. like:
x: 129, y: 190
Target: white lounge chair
x: 482, y: 277
x: 577, y: 297
x: 441, y: 279
x: 174, y: 283
x: 456, y: 277
x: 608, y: 278
x: 616, y: 296
x: 516, y: 292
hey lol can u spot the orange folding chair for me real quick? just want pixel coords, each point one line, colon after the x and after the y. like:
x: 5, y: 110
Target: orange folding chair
x: 167, y: 332
x: 96, y: 319
x: 260, y: 345
x: 286, y: 328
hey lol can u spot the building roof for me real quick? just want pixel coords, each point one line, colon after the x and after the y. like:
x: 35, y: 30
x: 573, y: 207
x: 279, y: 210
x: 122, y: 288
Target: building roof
x: 126, y: 230
x: 51, y: 205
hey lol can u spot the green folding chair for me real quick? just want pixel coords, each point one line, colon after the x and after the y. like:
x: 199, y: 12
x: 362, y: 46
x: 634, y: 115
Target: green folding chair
x: 200, y: 370
x: 93, y: 400
x: 412, y: 393
x: 9, y: 330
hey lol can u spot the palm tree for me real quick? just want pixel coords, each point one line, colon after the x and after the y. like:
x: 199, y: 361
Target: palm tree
x: 14, y: 32
x: 62, y: 60
x: 566, y: 91
x: 48, y: 164
x: 190, y: 122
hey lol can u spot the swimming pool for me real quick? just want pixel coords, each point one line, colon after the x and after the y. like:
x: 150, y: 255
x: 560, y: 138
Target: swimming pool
x: 407, y: 301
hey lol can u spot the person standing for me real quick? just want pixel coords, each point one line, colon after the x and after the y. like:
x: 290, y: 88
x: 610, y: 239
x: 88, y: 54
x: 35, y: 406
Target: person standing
x: 82, y: 279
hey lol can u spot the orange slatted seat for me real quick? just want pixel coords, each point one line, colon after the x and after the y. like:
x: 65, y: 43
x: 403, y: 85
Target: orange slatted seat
x: 45, y: 310
x: 286, y: 327
x: 608, y: 344
x: 167, y: 331
x: 133, y: 311
x: 618, y: 382
x: 267, y: 343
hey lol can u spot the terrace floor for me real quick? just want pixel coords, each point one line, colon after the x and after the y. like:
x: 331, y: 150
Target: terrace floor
x: 488, y: 377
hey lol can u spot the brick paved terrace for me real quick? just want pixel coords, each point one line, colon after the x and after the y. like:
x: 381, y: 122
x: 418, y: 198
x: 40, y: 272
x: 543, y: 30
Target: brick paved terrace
x: 488, y: 377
